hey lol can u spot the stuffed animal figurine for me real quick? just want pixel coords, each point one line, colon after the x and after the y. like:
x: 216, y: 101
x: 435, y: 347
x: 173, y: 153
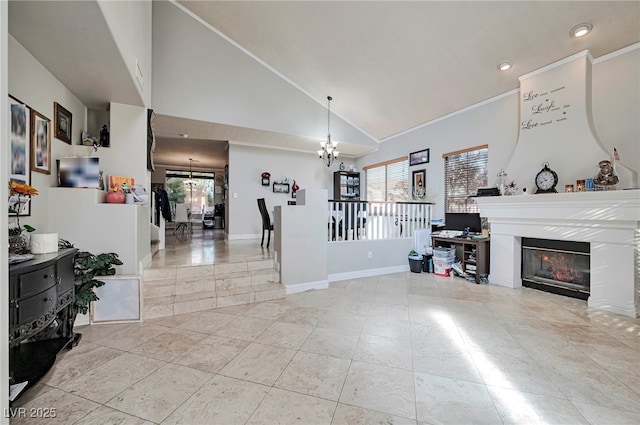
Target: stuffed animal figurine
x: 606, y: 175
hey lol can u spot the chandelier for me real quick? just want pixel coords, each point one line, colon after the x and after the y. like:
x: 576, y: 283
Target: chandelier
x: 190, y: 181
x: 328, y: 153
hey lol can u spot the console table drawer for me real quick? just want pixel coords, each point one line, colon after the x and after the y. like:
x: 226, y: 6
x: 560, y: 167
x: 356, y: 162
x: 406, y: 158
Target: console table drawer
x: 36, y: 306
x: 37, y: 281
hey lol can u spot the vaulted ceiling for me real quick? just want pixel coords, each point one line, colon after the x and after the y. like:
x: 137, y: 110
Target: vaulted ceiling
x: 393, y: 65
x: 390, y: 65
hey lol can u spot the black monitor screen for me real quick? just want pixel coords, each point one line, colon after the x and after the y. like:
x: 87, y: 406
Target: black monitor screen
x: 460, y: 221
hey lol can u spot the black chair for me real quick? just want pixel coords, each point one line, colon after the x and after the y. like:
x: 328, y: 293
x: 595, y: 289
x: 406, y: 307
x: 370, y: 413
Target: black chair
x: 266, y: 221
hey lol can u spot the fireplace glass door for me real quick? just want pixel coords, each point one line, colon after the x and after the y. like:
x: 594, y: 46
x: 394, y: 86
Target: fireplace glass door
x: 562, y: 267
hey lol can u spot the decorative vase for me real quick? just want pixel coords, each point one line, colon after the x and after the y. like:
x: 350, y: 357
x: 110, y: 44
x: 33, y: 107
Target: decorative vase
x: 501, y: 182
x: 18, y: 244
x: 116, y: 197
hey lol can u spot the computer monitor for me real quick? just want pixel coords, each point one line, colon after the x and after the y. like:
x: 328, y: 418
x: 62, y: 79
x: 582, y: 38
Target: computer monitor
x: 460, y: 221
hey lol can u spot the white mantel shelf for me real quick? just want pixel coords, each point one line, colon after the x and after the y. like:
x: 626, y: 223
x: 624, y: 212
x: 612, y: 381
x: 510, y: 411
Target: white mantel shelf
x: 608, y: 220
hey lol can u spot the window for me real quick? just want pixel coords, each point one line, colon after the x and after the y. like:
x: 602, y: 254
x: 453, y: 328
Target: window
x: 464, y: 172
x: 196, y: 192
x: 388, y: 181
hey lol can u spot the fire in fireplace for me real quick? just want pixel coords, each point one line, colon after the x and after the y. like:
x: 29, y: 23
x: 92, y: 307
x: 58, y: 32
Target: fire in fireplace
x: 561, y: 267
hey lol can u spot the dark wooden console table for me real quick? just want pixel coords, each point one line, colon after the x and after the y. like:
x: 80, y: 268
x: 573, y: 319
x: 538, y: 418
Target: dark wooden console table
x: 41, y: 295
x: 473, y: 254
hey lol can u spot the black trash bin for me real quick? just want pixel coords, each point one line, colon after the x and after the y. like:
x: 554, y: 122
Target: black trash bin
x: 415, y: 263
x: 426, y: 259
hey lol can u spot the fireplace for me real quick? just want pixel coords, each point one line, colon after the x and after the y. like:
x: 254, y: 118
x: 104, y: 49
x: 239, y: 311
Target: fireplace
x: 558, y: 266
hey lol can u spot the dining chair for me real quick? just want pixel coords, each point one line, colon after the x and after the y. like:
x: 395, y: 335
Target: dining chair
x: 182, y: 219
x: 267, y: 225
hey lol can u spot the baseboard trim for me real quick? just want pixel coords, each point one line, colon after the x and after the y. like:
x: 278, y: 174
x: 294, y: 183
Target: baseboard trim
x: 630, y: 310
x: 336, y: 277
x: 306, y: 286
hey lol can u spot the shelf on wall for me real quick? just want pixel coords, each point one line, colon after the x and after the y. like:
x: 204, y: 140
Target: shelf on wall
x: 281, y: 188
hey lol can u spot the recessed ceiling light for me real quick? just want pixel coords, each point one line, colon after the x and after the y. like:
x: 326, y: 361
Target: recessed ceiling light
x: 581, y: 30
x: 183, y: 135
x: 504, y: 65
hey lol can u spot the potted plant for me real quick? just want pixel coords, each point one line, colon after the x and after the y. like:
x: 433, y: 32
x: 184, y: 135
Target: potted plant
x: 86, y: 268
x: 19, y: 195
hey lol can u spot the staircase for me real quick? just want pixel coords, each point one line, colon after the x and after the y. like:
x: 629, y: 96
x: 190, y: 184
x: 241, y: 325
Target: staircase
x: 169, y: 291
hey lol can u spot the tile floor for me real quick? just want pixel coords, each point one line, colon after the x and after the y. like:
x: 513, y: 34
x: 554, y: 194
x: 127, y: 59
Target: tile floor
x: 396, y: 349
x: 208, y: 246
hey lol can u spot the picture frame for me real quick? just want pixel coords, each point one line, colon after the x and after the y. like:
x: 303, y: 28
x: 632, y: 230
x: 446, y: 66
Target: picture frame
x: 419, y: 178
x: 281, y: 187
x: 419, y: 157
x: 20, y: 167
x: 40, y: 143
x: 62, y: 123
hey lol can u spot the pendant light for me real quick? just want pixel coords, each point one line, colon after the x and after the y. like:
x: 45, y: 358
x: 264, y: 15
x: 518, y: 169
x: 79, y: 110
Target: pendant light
x: 328, y: 152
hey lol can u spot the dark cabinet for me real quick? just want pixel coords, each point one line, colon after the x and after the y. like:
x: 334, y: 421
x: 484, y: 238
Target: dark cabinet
x: 346, y: 186
x: 472, y: 253
x: 41, y: 294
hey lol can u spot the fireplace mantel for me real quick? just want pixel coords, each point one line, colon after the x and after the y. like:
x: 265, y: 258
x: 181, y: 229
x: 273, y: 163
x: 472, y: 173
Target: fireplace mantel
x: 608, y: 220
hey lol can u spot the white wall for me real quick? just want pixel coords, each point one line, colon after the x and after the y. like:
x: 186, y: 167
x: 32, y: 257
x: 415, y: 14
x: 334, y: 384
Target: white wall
x: 350, y: 259
x: 616, y: 108
x: 127, y: 154
x: 227, y: 85
x: 33, y: 84
x: 616, y: 103
x: 247, y: 163
x: 130, y: 25
x: 301, y: 242
x: 494, y: 124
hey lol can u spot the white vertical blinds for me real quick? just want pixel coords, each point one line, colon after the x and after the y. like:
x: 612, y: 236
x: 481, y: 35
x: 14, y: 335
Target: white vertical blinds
x: 464, y: 173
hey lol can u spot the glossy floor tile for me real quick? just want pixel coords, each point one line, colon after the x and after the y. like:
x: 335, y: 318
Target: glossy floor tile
x: 397, y: 349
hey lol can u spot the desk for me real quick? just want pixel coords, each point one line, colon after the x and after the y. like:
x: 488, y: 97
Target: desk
x: 472, y: 254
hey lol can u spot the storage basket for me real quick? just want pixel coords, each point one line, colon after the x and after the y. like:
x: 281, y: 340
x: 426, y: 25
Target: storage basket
x: 441, y: 268
x: 444, y: 254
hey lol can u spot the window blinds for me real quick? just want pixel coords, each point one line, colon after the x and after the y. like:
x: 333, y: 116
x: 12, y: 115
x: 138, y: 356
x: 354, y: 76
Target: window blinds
x: 464, y: 172
x: 388, y: 181
x: 398, y: 181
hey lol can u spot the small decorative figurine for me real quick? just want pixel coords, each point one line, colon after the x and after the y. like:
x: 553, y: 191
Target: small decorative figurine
x: 104, y: 136
x: 606, y: 175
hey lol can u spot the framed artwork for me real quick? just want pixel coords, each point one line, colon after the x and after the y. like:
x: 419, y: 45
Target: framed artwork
x: 419, y: 157
x: 116, y: 182
x: 62, y: 123
x: 419, y: 183
x: 20, y: 169
x: 40, y: 143
x: 280, y: 187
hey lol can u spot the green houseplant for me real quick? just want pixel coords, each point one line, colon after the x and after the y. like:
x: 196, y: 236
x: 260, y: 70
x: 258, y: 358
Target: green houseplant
x: 86, y: 267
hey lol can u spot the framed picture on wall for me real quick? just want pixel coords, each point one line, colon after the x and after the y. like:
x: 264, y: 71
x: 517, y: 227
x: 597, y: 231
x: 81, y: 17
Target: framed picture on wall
x: 419, y: 157
x: 20, y: 167
x: 40, y: 143
x: 419, y: 183
x: 62, y: 123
